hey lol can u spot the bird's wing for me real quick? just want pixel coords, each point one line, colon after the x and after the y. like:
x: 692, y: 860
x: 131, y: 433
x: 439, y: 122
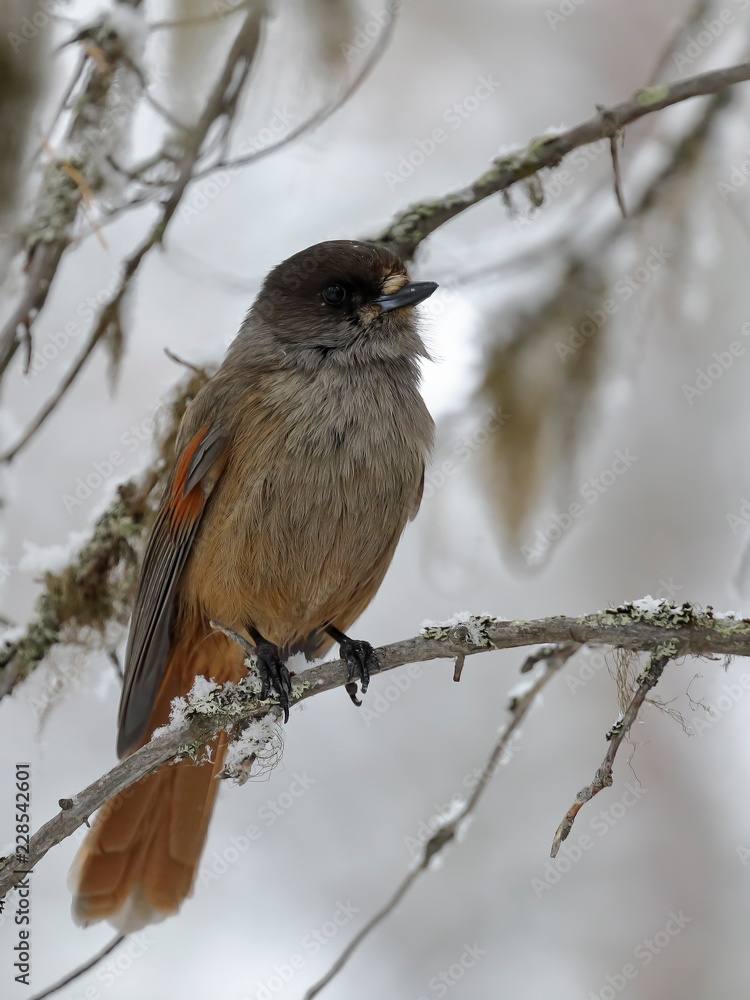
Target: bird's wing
x: 169, y: 545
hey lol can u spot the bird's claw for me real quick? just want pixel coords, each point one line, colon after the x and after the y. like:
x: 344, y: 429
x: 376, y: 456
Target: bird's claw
x: 273, y: 675
x: 360, y: 659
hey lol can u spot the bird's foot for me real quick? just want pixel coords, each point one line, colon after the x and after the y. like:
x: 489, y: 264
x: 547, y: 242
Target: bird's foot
x: 273, y: 672
x: 361, y: 660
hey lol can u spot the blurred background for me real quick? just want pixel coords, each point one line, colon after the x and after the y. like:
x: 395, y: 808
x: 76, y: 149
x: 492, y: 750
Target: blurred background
x: 593, y: 419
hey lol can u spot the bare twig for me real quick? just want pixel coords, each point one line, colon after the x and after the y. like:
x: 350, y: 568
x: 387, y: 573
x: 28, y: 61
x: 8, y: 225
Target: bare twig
x: 318, y: 117
x: 615, y: 154
x: 220, y: 102
x: 518, y: 706
x: 603, y: 777
x: 81, y: 969
x: 681, y: 630
x: 107, y: 318
x: 181, y: 361
x: 190, y: 22
x: 699, y: 11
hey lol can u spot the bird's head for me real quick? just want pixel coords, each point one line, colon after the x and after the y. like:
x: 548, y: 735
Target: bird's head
x: 342, y: 299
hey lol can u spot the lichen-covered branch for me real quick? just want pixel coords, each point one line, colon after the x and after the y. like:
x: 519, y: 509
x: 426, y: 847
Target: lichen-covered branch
x: 221, y: 104
x: 98, y: 585
x: 72, y: 175
x: 647, y: 625
x: 84, y: 593
x: 414, y: 225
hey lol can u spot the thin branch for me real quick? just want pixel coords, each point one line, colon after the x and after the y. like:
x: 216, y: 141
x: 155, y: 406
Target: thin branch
x: 82, y: 969
x: 188, y: 22
x: 101, y: 328
x: 700, y: 9
x: 615, y: 154
x: 181, y: 361
x: 314, y: 121
x: 318, y: 117
x: 603, y: 777
x: 51, y: 229
x: 414, y: 225
x: 62, y: 106
x: 238, y: 61
x: 684, y: 151
x: 676, y: 630
x: 519, y: 704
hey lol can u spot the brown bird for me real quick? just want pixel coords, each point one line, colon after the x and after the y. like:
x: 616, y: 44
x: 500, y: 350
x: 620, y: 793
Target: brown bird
x: 298, y: 465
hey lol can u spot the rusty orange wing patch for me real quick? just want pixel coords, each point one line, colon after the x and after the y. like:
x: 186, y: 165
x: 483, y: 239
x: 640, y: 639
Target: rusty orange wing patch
x: 167, y: 551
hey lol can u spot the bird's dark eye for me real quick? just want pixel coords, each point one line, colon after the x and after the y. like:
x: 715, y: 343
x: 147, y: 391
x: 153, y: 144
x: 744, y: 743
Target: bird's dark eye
x: 334, y: 295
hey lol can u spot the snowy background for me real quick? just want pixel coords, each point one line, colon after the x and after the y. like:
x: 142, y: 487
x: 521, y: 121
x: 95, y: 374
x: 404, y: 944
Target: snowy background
x: 340, y: 816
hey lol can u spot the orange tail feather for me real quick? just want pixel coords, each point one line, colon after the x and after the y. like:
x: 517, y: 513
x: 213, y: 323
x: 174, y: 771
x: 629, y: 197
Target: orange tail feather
x: 138, y: 862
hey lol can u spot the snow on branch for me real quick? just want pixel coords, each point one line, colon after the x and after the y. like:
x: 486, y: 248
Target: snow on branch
x: 666, y: 630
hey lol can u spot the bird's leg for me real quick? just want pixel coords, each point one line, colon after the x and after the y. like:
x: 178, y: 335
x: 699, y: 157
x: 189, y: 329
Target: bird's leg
x: 360, y: 659
x: 272, y: 670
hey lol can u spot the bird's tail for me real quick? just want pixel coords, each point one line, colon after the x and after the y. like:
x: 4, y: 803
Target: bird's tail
x: 138, y: 861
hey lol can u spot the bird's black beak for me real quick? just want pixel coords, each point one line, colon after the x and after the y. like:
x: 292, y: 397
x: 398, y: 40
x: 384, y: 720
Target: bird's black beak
x: 408, y: 295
